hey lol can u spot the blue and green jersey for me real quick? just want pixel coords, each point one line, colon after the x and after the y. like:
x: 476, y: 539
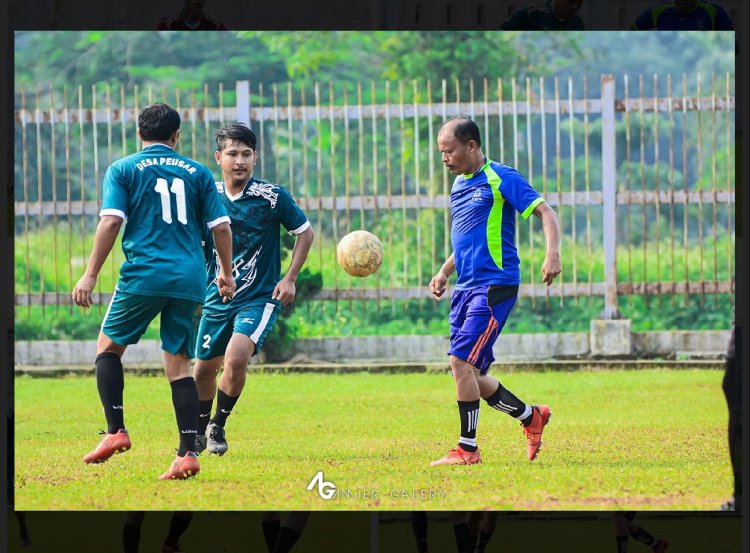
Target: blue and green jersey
x: 257, y: 214
x: 167, y: 201
x: 483, y: 207
x: 707, y: 16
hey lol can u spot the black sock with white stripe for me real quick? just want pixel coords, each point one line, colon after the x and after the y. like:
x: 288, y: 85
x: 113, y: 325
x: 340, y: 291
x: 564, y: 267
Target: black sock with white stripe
x: 204, y: 414
x: 503, y: 400
x: 224, y: 406
x: 644, y: 537
x: 110, y: 382
x: 185, y: 401
x: 469, y: 411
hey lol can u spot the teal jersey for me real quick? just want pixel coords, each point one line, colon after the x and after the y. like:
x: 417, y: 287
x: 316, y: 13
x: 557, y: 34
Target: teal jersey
x: 541, y: 17
x: 257, y: 214
x: 167, y: 200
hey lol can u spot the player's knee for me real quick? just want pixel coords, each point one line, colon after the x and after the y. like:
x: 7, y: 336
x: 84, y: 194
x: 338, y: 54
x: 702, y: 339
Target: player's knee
x: 235, y: 366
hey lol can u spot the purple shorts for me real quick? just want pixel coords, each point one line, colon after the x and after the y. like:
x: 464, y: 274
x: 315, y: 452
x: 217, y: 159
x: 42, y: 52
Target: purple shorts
x: 477, y: 318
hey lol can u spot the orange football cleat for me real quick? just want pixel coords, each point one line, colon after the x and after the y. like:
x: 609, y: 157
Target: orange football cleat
x: 182, y: 467
x: 540, y: 418
x: 110, y: 444
x: 459, y: 456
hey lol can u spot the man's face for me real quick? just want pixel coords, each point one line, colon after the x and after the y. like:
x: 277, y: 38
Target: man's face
x: 195, y: 6
x: 236, y: 160
x: 457, y: 157
x: 567, y: 9
x: 685, y: 6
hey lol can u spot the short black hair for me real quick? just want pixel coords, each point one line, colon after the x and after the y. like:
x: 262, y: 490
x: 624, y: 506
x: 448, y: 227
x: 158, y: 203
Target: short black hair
x: 158, y: 122
x: 236, y: 131
x: 464, y: 129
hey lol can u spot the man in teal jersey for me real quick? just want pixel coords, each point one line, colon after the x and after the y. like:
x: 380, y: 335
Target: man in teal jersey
x: 167, y: 199
x: 484, y: 199
x: 233, y: 332
x: 551, y: 15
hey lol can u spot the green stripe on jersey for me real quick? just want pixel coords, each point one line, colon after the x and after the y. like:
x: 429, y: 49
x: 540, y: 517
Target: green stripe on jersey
x: 495, y: 219
x: 529, y: 210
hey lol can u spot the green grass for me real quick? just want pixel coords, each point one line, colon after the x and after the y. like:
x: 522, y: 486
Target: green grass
x: 651, y: 439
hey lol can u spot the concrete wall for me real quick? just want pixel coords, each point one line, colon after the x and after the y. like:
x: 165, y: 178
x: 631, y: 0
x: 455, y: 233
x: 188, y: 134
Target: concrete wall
x: 403, y: 349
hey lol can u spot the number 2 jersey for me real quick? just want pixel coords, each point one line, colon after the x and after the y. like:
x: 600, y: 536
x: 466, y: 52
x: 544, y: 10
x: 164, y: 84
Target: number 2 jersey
x: 257, y: 213
x: 167, y: 201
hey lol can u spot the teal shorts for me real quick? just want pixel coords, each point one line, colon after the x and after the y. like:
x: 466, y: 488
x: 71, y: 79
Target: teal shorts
x: 254, y: 321
x: 129, y: 315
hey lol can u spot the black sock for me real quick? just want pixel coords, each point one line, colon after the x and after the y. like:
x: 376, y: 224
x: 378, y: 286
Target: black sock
x: 469, y: 412
x: 419, y: 527
x: 504, y: 400
x: 622, y: 544
x: 461, y: 531
x: 185, y: 401
x: 204, y: 414
x: 177, y: 526
x: 644, y: 537
x: 287, y: 538
x: 472, y: 543
x: 131, y: 537
x: 224, y: 405
x: 110, y: 382
x: 484, y: 539
x: 271, y: 533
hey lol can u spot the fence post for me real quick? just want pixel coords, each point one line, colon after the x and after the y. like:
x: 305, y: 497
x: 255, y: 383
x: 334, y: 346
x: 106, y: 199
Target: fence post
x: 243, y: 102
x: 609, y: 193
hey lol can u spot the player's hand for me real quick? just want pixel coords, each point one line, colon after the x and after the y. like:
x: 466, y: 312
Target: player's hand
x: 285, y: 291
x: 438, y: 284
x: 82, y: 292
x: 226, y: 286
x: 551, y: 267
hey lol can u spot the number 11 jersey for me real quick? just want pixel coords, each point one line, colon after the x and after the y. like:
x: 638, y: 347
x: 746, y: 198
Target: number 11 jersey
x: 166, y: 199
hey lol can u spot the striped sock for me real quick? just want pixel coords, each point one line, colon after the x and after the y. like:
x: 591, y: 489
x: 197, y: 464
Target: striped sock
x: 469, y: 411
x: 503, y: 400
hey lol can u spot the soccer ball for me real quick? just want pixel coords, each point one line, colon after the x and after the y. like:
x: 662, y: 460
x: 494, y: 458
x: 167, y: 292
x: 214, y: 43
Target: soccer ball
x: 359, y: 253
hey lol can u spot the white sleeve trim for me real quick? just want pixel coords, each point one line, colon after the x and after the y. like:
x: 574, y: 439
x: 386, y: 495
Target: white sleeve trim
x: 220, y: 220
x: 301, y: 229
x: 112, y: 211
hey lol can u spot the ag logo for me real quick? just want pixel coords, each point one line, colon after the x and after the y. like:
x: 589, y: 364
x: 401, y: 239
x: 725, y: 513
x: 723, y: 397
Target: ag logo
x: 326, y: 490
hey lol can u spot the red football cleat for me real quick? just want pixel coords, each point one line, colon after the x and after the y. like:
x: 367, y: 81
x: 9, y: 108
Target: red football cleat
x: 661, y: 546
x: 110, y: 444
x: 540, y: 418
x: 182, y: 467
x: 459, y: 456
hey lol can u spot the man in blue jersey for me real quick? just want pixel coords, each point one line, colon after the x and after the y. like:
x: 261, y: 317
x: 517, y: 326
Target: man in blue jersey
x: 684, y: 15
x: 484, y: 199
x: 167, y: 199
x: 551, y: 15
x: 233, y: 332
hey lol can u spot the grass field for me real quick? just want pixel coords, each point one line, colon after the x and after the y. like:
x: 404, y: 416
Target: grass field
x: 641, y: 440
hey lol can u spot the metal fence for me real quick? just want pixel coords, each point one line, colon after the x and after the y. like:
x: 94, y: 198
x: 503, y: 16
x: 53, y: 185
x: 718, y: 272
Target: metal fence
x: 640, y: 171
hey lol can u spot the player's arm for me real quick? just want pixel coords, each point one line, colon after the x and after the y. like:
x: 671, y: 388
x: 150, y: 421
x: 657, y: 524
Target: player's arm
x: 440, y: 280
x: 286, y: 290
x: 104, y: 240
x: 222, y: 234
x: 551, y: 227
